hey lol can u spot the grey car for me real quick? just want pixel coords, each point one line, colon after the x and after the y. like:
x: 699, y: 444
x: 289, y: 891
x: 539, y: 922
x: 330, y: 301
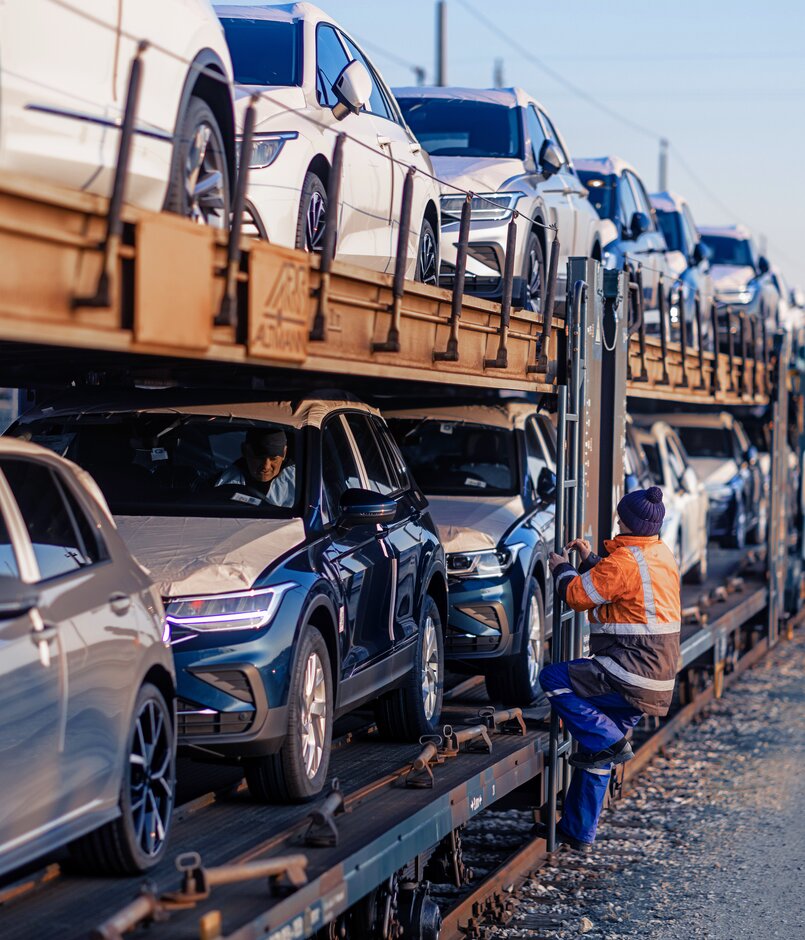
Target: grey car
x: 87, y: 684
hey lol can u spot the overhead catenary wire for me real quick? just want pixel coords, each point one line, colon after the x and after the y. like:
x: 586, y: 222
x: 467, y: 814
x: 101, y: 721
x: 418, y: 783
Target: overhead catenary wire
x: 264, y: 96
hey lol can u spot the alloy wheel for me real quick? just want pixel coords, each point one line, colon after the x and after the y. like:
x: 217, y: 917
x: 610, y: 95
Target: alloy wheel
x: 314, y: 714
x: 430, y: 668
x: 151, y: 789
x: 427, y: 258
x: 315, y: 222
x: 204, y: 177
x: 534, y: 642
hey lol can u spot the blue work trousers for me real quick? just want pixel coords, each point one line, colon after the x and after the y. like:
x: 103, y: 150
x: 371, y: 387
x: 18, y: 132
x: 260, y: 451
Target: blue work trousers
x: 596, y: 723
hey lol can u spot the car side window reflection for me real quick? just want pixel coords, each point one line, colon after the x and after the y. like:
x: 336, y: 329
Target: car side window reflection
x: 381, y: 478
x: 535, y: 456
x: 331, y: 59
x: 339, y: 469
x: 535, y: 132
x: 8, y: 559
x: 57, y: 543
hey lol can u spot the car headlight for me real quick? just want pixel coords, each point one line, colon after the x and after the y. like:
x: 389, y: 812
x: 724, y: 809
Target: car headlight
x: 485, y: 206
x: 744, y: 295
x: 266, y: 148
x: 487, y: 563
x: 242, y: 610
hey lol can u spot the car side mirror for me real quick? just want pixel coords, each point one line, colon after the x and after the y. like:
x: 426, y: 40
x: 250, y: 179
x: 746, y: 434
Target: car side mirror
x: 546, y: 485
x: 550, y: 158
x: 640, y: 223
x: 16, y: 598
x: 762, y: 265
x: 353, y: 88
x: 700, y: 253
x: 365, y: 507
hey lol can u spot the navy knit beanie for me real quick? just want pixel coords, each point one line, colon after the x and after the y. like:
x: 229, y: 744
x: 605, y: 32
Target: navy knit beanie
x: 643, y: 511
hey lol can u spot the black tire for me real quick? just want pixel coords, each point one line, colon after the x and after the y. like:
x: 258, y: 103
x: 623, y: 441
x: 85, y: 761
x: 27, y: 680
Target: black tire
x: 427, y: 256
x: 402, y: 714
x: 517, y: 684
x: 534, y: 273
x: 312, y: 220
x: 199, y: 186
x: 286, y: 776
x: 136, y: 840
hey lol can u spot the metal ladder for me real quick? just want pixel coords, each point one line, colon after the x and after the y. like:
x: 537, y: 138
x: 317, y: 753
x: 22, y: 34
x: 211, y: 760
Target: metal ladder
x: 568, y: 625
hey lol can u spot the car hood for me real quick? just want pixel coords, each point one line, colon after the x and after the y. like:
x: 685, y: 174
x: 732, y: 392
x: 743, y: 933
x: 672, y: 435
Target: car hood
x: 194, y: 555
x: 272, y: 106
x: 730, y: 277
x: 714, y: 471
x: 468, y: 524
x: 477, y: 174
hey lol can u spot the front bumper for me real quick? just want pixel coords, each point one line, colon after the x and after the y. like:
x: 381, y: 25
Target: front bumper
x: 482, y: 621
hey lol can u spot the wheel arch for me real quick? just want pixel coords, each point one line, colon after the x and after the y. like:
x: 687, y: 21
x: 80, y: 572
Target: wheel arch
x: 320, y: 165
x: 323, y: 617
x: 432, y: 215
x: 160, y: 677
x: 437, y: 589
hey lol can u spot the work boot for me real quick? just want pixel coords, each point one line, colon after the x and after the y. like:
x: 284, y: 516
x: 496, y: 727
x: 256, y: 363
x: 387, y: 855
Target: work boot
x: 617, y: 753
x: 564, y: 838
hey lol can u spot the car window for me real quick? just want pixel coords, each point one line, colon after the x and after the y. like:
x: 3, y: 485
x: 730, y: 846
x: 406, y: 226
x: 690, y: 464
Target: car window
x: 57, y: 544
x: 675, y: 460
x: 707, y: 441
x: 339, y: 467
x: 601, y: 192
x: 536, y: 132
x: 535, y: 454
x: 264, y: 52
x: 91, y: 539
x: 548, y: 436
x: 743, y: 440
x: 550, y: 130
x: 652, y: 452
x: 673, y: 230
x: 691, y: 235
x: 641, y: 197
x: 378, y: 104
x: 8, y: 558
x: 331, y: 58
x: 382, y: 478
x: 449, y: 127
x: 728, y: 250
x: 626, y: 201
x: 393, y: 454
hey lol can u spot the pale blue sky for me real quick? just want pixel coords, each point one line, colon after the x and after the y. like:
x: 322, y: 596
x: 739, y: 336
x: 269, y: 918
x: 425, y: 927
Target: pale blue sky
x: 723, y: 80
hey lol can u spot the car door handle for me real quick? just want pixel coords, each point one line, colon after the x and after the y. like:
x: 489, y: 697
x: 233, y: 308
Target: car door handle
x: 42, y: 635
x: 383, y: 141
x: 120, y: 603
x: 415, y: 148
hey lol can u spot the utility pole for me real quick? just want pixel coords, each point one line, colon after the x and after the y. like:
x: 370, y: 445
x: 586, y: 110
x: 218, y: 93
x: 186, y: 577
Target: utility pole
x: 419, y: 75
x: 663, y: 165
x: 441, y: 42
x: 497, y: 80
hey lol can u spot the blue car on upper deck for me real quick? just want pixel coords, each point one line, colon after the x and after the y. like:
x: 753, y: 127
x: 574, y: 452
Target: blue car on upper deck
x: 489, y: 474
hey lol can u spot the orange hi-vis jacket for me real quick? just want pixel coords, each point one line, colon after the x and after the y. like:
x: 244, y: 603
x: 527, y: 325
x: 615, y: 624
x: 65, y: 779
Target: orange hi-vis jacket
x: 633, y: 600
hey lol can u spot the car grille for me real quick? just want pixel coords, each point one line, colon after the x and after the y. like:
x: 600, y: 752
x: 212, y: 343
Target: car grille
x: 458, y: 644
x: 195, y: 721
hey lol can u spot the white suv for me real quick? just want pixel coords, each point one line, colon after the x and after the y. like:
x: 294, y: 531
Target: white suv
x: 64, y: 71
x: 316, y: 83
x: 502, y: 145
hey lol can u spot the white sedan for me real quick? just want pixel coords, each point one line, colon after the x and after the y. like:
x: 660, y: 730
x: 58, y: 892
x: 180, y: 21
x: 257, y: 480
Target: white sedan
x: 685, y: 496
x: 64, y: 70
x: 315, y: 82
x: 501, y: 145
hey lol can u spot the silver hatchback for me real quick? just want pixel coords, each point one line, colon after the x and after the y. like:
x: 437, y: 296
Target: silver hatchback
x: 87, y: 683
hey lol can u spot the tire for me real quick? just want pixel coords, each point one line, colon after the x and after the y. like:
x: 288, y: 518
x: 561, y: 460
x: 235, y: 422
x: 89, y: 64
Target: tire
x: 534, y: 274
x: 406, y: 713
x: 427, y: 256
x: 518, y: 683
x: 312, y: 220
x: 136, y: 840
x: 297, y: 772
x: 199, y: 186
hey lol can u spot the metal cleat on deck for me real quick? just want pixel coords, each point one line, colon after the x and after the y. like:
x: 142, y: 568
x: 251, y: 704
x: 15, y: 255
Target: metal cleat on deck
x: 473, y: 739
x: 322, y: 831
x: 504, y: 721
x: 420, y: 774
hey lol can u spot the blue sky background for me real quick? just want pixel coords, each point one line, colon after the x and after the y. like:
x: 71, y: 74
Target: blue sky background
x: 723, y: 80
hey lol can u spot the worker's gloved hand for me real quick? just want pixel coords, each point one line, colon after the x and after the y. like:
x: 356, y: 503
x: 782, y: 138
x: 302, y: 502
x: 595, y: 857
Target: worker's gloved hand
x: 555, y: 560
x: 582, y: 546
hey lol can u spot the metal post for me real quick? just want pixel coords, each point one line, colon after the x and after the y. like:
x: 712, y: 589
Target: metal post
x: 731, y: 349
x: 501, y: 361
x: 451, y: 352
x: 702, y: 384
x: 663, y: 164
x: 110, y: 246
x: 441, y: 42
x: 392, y: 343
x: 663, y: 331
x: 541, y: 362
x: 683, y: 338
x: 714, y: 317
x: 228, y: 312
x: 754, y: 356
x: 318, y: 332
x: 742, y: 321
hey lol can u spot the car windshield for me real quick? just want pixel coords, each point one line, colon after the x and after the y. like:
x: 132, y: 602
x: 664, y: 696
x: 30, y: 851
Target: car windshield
x: 732, y: 251
x: 452, y: 127
x: 149, y: 463
x: 453, y: 458
x: 707, y: 442
x: 652, y: 452
x: 671, y: 225
x: 602, y: 192
x: 264, y: 52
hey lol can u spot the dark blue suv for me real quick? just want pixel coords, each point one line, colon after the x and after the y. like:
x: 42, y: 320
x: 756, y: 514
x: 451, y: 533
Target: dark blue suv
x: 300, y: 568
x: 489, y: 474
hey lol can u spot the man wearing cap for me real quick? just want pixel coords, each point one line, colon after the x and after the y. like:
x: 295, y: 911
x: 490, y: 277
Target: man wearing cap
x: 260, y: 469
x: 633, y: 604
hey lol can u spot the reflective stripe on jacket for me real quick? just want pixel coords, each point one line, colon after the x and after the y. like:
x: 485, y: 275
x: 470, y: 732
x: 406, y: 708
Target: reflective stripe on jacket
x: 633, y: 601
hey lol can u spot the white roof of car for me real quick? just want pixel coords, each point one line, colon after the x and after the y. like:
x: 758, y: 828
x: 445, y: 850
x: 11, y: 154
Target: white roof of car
x: 283, y: 12
x: 507, y: 415
x: 667, y: 201
x: 740, y: 232
x: 720, y: 419
x: 508, y: 97
x: 606, y: 166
